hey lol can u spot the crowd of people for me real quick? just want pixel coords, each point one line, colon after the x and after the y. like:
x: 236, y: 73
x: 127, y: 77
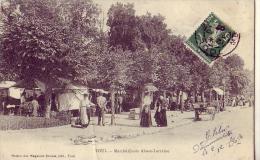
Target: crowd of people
x: 30, y: 104
x: 241, y: 101
x: 35, y: 105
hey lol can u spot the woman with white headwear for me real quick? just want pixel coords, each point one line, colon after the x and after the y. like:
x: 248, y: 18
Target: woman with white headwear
x: 146, y: 120
x: 85, y: 104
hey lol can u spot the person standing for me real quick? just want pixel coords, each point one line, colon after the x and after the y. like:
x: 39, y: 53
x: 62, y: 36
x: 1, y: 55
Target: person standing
x: 101, y: 106
x: 120, y: 102
x: 233, y: 102
x: 160, y: 114
x: 85, y: 110
x: 146, y: 120
x: 173, y: 102
x: 250, y: 100
x: 41, y: 101
x: 23, y: 98
x: 22, y: 102
x: 35, y: 106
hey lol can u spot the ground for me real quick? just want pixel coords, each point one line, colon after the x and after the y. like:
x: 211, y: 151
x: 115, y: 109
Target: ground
x: 229, y: 136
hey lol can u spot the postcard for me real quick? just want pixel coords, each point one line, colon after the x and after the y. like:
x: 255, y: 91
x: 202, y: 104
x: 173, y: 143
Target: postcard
x: 128, y: 80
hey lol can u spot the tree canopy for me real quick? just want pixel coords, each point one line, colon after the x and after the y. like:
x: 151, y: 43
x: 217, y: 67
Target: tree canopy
x: 49, y: 39
x: 53, y: 39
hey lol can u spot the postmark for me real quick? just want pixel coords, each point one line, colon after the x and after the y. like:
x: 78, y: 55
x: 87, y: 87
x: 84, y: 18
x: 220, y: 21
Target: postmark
x: 213, y: 39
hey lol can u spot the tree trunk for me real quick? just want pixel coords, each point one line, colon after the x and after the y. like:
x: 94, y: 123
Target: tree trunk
x: 202, y: 97
x: 196, y: 96
x: 178, y: 98
x: 181, y: 101
x: 141, y: 104
x: 48, y: 93
x: 112, y: 107
x: 210, y: 96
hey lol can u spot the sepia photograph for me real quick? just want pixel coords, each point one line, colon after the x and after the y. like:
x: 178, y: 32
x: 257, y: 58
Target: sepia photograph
x: 127, y: 80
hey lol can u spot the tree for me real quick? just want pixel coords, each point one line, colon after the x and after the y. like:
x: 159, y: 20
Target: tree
x: 162, y: 58
x: 239, y: 79
x: 123, y: 23
x: 218, y: 73
x: 49, y: 40
x: 249, y: 89
x: 185, y: 63
x: 153, y: 30
x: 114, y: 73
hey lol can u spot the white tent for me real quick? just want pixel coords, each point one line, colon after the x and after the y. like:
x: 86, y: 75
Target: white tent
x: 15, y: 92
x: 7, y: 89
x: 70, y: 97
x: 69, y: 101
x: 6, y: 84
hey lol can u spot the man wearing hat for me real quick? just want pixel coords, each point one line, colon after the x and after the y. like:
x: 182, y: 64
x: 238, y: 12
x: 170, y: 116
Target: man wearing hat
x: 101, y: 102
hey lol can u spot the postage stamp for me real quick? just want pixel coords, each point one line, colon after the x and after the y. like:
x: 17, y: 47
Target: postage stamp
x: 213, y: 39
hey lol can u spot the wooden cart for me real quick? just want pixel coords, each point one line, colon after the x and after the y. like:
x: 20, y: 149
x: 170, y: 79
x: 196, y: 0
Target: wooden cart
x: 204, y: 109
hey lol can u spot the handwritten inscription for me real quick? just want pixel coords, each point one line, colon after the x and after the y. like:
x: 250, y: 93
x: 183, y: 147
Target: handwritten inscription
x: 217, y: 139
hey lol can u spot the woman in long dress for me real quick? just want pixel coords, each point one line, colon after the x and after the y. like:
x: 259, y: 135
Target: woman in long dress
x: 85, y: 105
x: 160, y: 114
x: 35, y: 105
x: 146, y: 120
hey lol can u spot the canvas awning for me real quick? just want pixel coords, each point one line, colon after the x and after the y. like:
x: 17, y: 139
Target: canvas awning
x: 100, y: 91
x: 218, y: 91
x: 6, y: 84
x: 30, y: 84
x: 149, y: 87
x: 10, y: 91
x: 79, y: 89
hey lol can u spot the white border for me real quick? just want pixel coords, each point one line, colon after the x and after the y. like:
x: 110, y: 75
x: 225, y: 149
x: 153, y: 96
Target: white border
x: 257, y: 80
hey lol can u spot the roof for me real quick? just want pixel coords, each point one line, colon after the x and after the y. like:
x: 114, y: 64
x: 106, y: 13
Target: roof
x: 30, y: 84
x: 6, y: 84
x: 218, y: 90
x: 149, y: 87
x: 100, y: 91
x: 79, y: 89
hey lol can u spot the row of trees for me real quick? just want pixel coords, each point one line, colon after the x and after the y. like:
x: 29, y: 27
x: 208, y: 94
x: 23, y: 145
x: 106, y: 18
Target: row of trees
x: 51, y: 40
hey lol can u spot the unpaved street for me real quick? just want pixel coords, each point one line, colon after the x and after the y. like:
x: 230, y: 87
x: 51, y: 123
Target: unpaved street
x: 230, y: 135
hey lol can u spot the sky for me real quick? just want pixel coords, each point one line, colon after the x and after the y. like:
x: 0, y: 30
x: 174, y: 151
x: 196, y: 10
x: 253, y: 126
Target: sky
x: 184, y: 16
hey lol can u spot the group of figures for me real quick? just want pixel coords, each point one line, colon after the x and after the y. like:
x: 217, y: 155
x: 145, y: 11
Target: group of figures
x: 241, y: 101
x: 32, y: 104
x: 85, y: 110
x: 101, y: 106
x: 160, y: 116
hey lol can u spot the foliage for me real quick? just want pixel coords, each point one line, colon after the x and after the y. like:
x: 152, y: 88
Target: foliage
x: 239, y: 78
x: 50, y: 39
x: 45, y: 40
x: 123, y: 25
x: 153, y: 30
x: 162, y: 58
x: 114, y: 69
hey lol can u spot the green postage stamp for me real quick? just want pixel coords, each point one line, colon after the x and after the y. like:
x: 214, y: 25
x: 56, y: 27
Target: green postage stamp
x: 213, y: 39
